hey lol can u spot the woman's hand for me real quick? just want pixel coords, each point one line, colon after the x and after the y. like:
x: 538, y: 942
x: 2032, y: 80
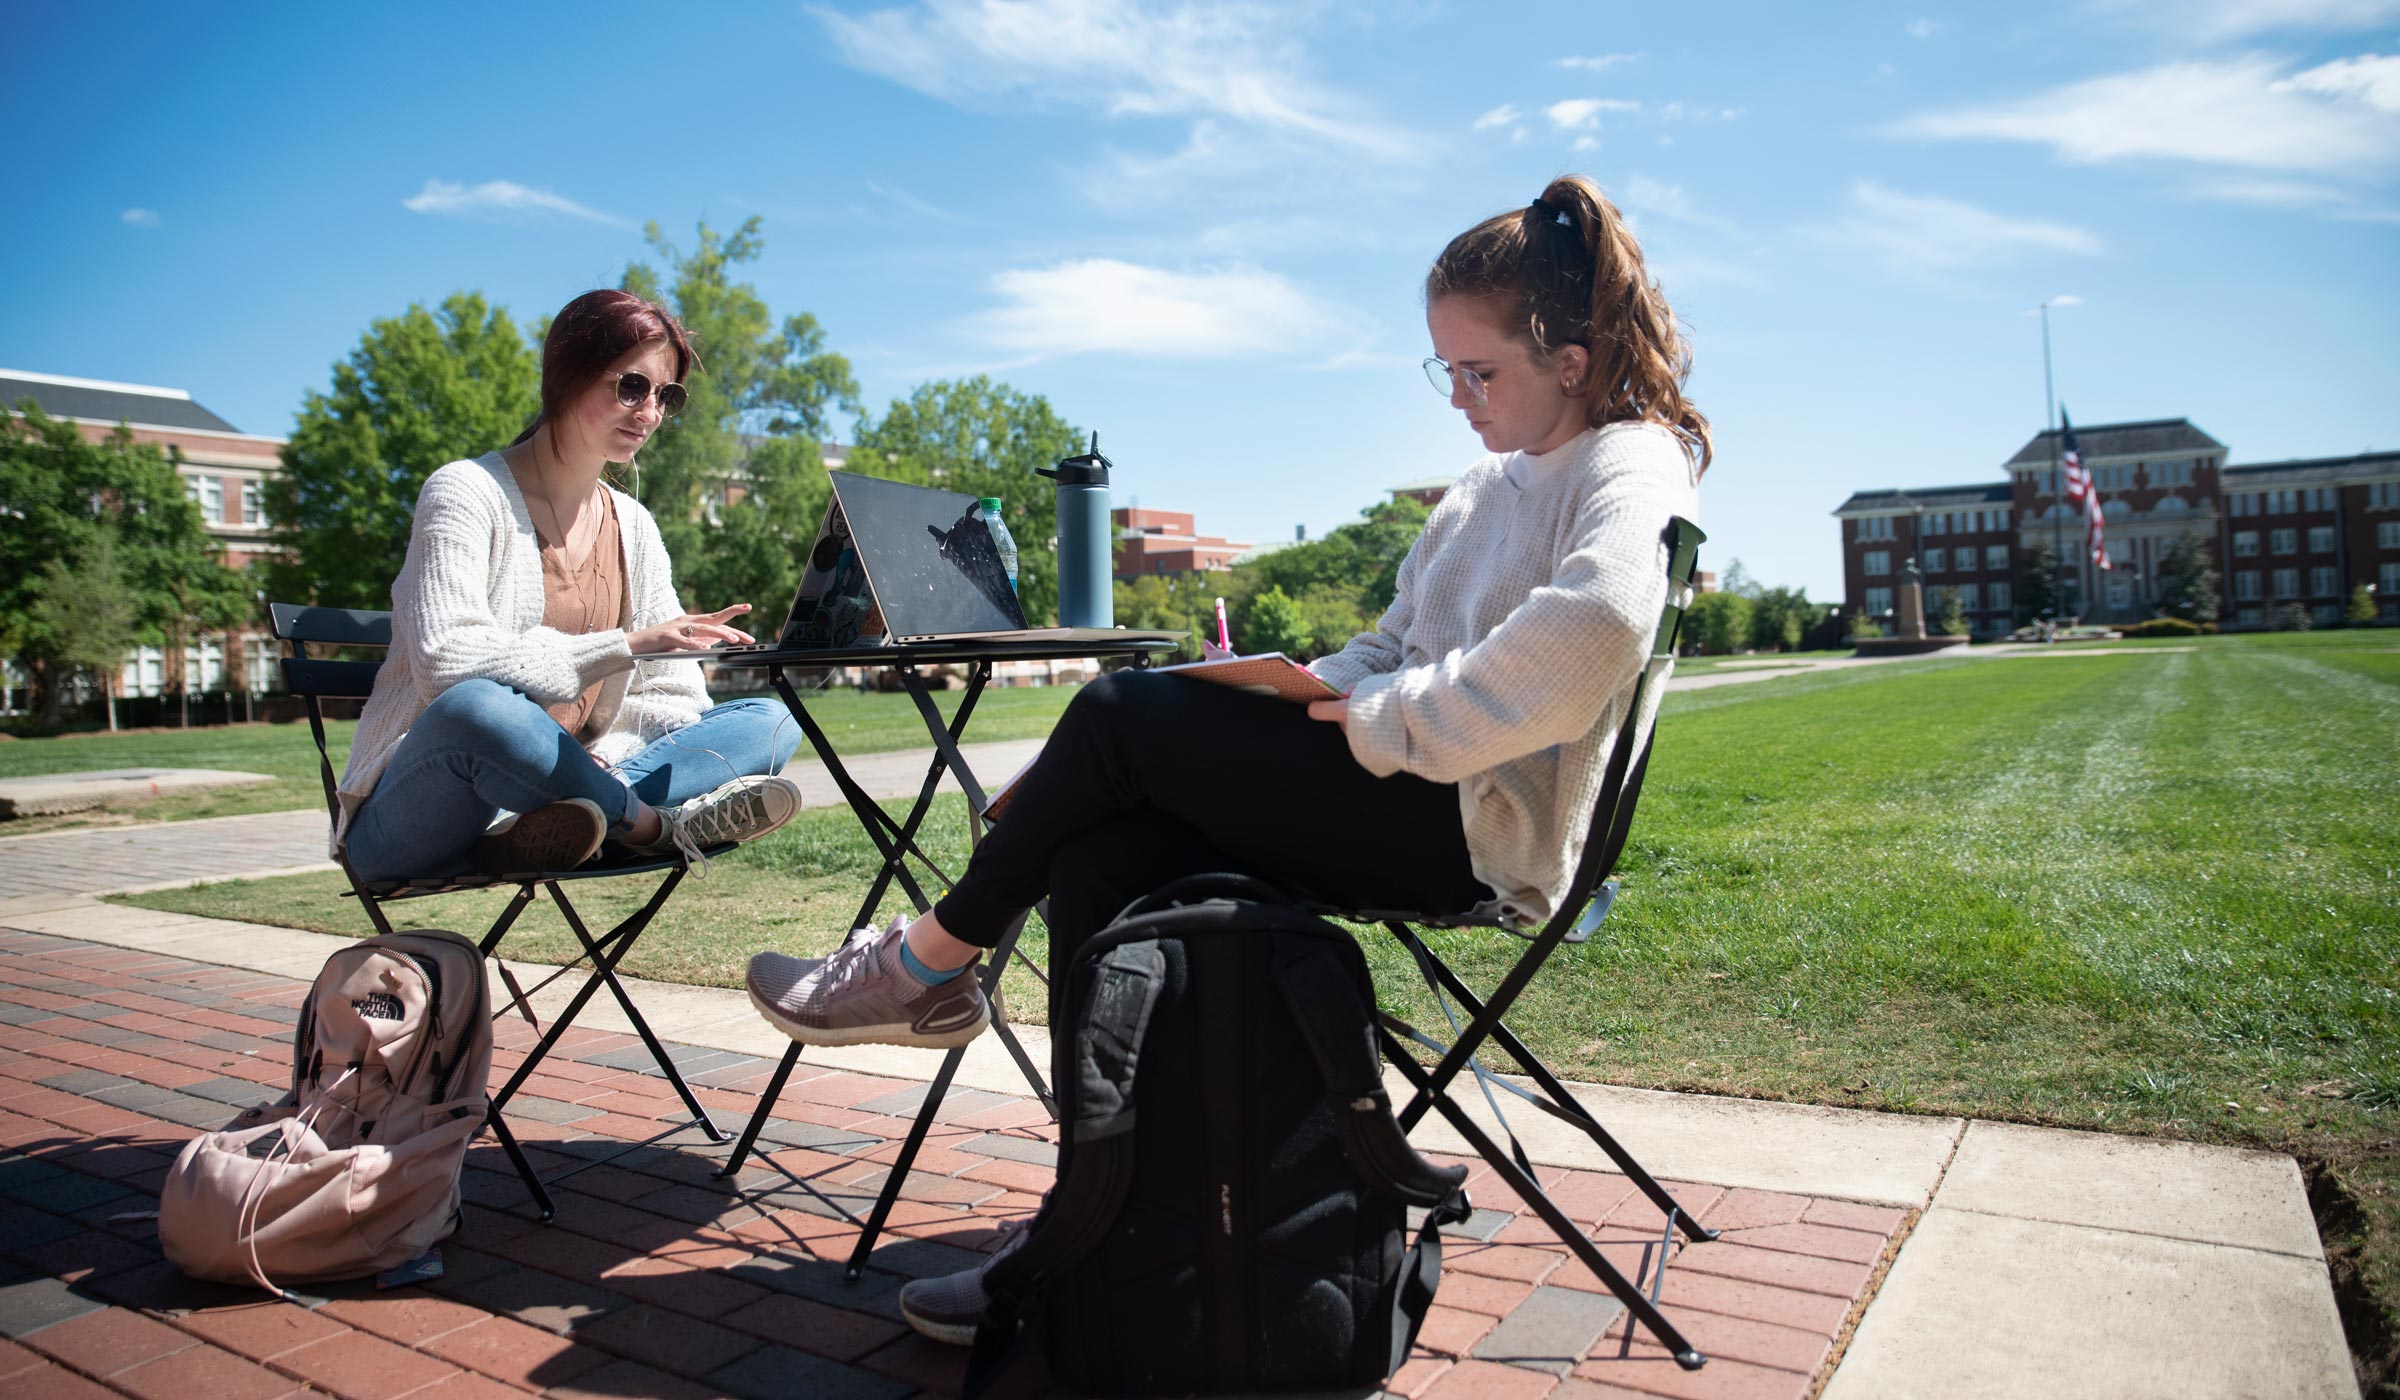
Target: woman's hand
x: 1333, y: 711
x: 690, y: 632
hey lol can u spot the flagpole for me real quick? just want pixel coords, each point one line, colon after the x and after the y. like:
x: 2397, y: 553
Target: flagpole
x: 2058, y: 490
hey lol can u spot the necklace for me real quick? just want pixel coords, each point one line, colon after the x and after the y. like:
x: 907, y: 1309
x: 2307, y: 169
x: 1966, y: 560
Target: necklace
x: 557, y: 528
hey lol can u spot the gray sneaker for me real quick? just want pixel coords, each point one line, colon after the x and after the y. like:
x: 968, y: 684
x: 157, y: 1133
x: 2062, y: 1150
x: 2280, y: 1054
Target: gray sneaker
x: 948, y: 1308
x: 742, y: 810
x: 862, y: 996
x: 554, y: 836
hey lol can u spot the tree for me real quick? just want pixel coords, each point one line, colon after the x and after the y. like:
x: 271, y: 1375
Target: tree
x: 2291, y: 617
x: 1779, y: 617
x: 1864, y: 628
x: 2037, y: 582
x: 58, y: 491
x: 1183, y: 602
x: 1949, y: 613
x: 2361, y: 612
x: 1737, y: 581
x: 1364, y: 555
x: 1273, y: 623
x: 92, y: 608
x: 758, y: 412
x: 984, y: 439
x: 422, y: 389
x: 2187, y: 579
x: 1718, y: 622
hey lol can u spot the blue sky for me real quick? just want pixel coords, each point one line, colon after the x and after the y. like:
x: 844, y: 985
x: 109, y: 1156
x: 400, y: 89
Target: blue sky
x: 1201, y: 228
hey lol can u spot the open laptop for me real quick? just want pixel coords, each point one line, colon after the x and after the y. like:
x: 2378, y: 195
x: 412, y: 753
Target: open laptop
x: 895, y: 563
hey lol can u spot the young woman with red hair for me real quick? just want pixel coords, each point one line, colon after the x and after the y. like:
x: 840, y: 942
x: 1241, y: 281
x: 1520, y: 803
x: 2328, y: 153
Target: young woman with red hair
x: 511, y: 692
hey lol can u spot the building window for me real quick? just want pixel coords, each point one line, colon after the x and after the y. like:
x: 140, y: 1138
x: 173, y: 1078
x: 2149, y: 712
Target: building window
x: 1999, y: 597
x: 2324, y: 582
x: 212, y: 499
x: 2387, y: 581
x: 2387, y: 534
x: 1937, y: 560
x: 2176, y: 473
x: 1995, y: 556
x: 2326, y: 614
x: 2245, y: 586
x: 2247, y: 617
x: 2282, y: 502
x: 1879, y: 601
x: 253, y: 510
x: 2120, y: 593
x: 1875, y: 527
x: 2238, y: 503
x: 2245, y: 544
x: 2320, y: 498
x: 2287, y: 583
x: 2320, y: 539
x: 191, y: 489
x: 1877, y: 561
x: 1970, y: 597
x: 2383, y: 495
x: 2284, y: 541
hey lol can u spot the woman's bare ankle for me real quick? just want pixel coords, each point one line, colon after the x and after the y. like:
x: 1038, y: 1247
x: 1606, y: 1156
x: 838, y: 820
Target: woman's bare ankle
x: 937, y: 947
x: 647, y: 827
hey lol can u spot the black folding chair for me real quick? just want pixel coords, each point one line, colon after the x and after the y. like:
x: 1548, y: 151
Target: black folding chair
x: 316, y: 680
x: 1585, y: 904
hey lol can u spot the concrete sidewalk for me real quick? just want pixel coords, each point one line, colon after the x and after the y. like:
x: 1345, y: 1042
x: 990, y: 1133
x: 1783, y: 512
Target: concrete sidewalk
x: 1865, y: 1255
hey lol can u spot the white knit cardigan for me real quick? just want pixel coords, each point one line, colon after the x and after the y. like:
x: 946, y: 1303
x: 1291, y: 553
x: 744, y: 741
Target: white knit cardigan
x: 1524, y: 616
x: 468, y: 605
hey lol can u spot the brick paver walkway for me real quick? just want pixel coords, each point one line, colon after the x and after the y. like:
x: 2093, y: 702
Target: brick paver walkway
x: 659, y: 1280
x: 113, y: 858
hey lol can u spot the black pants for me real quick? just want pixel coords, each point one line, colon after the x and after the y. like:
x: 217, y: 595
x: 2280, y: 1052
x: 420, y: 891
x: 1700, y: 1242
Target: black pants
x: 1148, y: 778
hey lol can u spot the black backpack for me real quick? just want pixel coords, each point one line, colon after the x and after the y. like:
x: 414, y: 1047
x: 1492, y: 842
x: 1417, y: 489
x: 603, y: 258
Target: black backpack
x: 1231, y: 1208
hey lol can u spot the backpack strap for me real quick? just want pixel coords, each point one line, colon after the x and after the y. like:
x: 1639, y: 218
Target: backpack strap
x: 1341, y: 1034
x: 1325, y: 1005
x: 1196, y: 889
x: 1107, y: 1050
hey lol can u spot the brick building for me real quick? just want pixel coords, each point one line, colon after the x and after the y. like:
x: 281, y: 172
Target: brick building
x: 224, y: 470
x: 1167, y: 542
x: 2301, y: 532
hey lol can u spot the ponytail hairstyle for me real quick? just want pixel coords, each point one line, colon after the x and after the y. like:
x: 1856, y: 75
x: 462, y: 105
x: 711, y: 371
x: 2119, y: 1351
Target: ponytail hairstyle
x: 591, y: 333
x: 1566, y: 271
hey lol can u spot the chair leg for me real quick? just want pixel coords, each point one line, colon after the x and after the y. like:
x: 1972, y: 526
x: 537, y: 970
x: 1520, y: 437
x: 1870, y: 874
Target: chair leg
x: 605, y: 966
x: 1530, y: 1191
x: 766, y: 1107
x: 525, y: 1171
x: 898, y: 1174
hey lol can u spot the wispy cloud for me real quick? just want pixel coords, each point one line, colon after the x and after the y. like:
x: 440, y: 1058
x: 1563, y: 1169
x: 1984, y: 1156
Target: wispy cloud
x: 1240, y: 64
x: 2371, y: 78
x: 913, y: 204
x: 502, y: 201
x: 1583, y: 113
x: 1927, y: 236
x: 1921, y: 28
x: 2214, y: 20
x: 1654, y: 196
x: 2242, y: 111
x: 1103, y: 306
x: 1506, y: 114
x: 141, y: 218
x: 1598, y: 62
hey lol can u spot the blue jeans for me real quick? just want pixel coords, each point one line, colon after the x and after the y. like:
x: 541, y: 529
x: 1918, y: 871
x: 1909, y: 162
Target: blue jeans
x: 482, y: 748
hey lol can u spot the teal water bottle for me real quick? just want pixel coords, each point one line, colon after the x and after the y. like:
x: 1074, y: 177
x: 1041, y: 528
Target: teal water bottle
x: 989, y: 508
x: 1085, y: 595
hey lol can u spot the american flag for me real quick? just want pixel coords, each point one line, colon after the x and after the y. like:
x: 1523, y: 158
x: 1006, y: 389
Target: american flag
x: 2078, y: 484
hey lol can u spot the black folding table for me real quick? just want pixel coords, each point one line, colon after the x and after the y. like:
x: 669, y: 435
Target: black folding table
x: 896, y: 841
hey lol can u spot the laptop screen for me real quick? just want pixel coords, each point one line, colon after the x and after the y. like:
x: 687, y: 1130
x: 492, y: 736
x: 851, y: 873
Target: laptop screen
x: 929, y: 556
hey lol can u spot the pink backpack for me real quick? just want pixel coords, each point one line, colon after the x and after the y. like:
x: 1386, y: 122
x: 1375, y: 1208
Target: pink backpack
x: 356, y: 1170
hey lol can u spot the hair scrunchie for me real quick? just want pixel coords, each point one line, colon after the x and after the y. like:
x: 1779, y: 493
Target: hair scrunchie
x: 1548, y: 214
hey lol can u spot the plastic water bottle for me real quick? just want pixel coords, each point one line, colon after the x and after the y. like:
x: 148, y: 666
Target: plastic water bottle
x: 1001, y: 539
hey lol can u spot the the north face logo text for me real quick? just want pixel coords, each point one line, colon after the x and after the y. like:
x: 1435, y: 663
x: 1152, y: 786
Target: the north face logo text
x: 379, y: 1006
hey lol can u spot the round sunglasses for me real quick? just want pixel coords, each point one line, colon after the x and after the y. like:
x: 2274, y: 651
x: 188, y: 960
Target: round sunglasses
x: 633, y: 386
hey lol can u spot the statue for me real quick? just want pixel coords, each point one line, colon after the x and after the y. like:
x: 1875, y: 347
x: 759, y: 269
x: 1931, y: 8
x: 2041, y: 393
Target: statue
x: 1911, y: 621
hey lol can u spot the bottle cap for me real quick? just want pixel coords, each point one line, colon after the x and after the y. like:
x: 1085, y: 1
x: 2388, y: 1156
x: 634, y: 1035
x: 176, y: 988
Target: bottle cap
x: 1084, y: 469
x: 988, y: 502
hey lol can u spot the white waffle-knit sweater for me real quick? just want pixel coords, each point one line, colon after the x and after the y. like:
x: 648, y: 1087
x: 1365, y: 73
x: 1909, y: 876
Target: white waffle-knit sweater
x: 468, y: 605
x: 1523, y: 617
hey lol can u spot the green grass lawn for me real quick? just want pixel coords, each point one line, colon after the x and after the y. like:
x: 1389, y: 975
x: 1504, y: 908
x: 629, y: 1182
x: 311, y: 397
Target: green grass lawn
x: 2152, y: 889
x: 858, y: 723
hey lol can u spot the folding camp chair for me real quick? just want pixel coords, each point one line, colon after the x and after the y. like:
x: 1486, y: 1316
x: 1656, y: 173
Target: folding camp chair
x: 1580, y: 911
x: 317, y: 680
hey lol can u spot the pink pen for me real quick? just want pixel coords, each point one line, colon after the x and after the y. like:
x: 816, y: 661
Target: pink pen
x: 1224, y: 639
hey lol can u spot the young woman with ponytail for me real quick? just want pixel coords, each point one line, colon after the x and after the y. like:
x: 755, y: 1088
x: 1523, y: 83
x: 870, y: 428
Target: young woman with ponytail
x: 1479, y: 714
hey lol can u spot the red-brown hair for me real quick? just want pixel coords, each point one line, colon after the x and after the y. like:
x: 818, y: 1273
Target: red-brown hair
x: 1566, y: 271
x: 591, y: 333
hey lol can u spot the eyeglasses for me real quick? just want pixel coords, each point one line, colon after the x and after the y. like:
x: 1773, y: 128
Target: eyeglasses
x: 1444, y: 376
x: 633, y: 386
